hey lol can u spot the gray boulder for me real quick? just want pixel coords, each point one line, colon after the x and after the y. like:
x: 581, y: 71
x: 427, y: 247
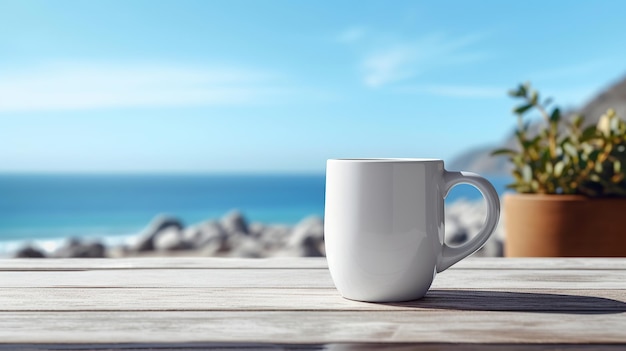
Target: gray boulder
x: 76, y: 248
x: 464, y: 219
x: 209, y: 237
x: 170, y: 239
x: 245, y: 246
x: 257, y: 229
x: 159, y: 224
x: 457, y: 238
x: 456, y: 234
x: 234, y: 222
x: 307, y: 238
x: 29, y: 252
x: 274, y: 237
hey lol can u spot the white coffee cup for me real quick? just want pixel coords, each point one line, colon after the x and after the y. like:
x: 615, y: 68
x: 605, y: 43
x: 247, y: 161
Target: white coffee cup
x: 384, y: 225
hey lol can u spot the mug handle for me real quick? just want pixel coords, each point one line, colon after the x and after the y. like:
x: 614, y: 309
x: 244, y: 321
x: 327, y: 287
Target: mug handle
x: 451, y: 255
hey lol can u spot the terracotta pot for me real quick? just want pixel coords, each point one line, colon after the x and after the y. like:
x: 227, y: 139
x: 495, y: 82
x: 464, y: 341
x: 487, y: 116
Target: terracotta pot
x: 564, y: 226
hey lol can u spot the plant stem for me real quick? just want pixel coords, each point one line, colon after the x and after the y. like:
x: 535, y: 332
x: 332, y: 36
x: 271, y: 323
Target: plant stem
x: 551, y: 131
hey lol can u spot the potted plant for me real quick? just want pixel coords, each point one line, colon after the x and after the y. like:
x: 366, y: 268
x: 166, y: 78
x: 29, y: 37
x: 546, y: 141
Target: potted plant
x: 570, y: 180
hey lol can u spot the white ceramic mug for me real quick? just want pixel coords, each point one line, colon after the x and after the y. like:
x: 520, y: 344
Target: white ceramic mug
x: 384, y: 225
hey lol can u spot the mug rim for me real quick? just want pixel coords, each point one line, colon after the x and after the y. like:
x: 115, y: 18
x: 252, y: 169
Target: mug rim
x: 384, y: 160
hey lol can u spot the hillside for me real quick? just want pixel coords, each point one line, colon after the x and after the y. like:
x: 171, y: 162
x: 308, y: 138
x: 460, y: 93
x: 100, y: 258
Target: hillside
x: 479, y: 160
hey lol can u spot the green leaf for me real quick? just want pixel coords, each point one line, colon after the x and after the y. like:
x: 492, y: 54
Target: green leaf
x: 614, y: 125
x: 555, y: 116
x: 577, y: 121
x: 527, y: 173
x: 558, y: 168
x: 514, y: 93
x: 617, y: 166
x: 534, y: 97
x: 534, y: 185
x: 559, y: 151
x: 599, y: 167
x: 525, y: 87
x: 520, y: 91
x: 545, y: 156
x: 570, y: 150
x: 589, y: 133
x: 549, y: 169
x: 503, y: 152
x: 521, y: 109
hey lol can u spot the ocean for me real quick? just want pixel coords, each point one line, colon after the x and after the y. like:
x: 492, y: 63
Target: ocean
x: 46, y: 208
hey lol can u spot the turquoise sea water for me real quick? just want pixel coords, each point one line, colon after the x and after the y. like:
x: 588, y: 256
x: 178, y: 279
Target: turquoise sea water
x: 50, y: 207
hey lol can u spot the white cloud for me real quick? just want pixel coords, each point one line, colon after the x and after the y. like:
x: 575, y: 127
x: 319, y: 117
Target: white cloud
x: 351, y: 35
x: 457, y: 91
x: 401, y: 61
x: 89, y: 86
x: 388, y: 66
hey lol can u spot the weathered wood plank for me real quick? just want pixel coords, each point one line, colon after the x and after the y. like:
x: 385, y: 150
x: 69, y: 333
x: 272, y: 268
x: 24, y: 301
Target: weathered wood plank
x: 293, y: 263
x: 317, y: 347
x: 207, y: 278
x: 307, y: 278
x: 209, y: 301
x: 79, y: 264
x: 261, y: 299
x: 311, y: 327
x: 538, y: 263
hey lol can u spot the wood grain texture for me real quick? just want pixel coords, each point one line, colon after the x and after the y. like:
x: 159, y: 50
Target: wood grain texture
x: 291, y: 263
x: 265, y: 299
x: 305, y: 278
x: 200, y: 303
x: 72, y: 264
x: 166, y: 346
x: 311, y: 327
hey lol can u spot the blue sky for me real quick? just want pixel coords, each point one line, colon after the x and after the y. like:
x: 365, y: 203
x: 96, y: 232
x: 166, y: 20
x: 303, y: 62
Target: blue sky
x: 273, y: 86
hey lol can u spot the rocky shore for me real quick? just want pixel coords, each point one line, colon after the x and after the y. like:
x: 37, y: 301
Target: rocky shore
x: 233, y: 236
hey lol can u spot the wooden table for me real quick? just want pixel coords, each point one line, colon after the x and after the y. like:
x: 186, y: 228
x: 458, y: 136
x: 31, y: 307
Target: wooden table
x: 200, y: 303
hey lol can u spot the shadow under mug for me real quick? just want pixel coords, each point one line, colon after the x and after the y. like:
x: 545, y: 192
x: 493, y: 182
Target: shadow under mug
x: 384, y: 225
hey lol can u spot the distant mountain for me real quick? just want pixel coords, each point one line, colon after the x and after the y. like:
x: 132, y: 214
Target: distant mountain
x: 479, y: 160
x: 614, y: 97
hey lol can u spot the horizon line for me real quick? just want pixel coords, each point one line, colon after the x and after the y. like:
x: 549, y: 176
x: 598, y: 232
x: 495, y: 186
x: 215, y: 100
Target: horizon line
x: 162, y: 173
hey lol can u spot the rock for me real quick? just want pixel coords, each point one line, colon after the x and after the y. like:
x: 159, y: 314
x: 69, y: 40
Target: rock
x: 76, y: 248
x: 456, y: 234
x: 307, y: 238
x: 29, y: 252
x: 208, y: 235
x: 232, y: 236
x: 457, y: 238
x: 463, y: 221
x: 160, y: 223
x: 246, y: 246
x: 257, y: 229
x: 234, y: 222
x: 274, y: 237
x: 170, y: 239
